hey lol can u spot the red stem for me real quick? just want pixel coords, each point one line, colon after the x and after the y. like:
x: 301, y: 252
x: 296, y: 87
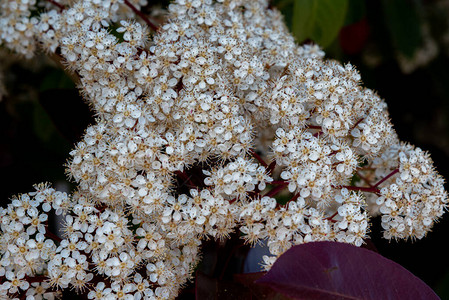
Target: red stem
x: 386, y: 177
x: 372, y: 189
x: 296, y: 196
x: 59, y: 5
x: 333, y: 152
x: 332, y: 217
x: 364, y: 179
x: 257, y: 156
x: 186, y: 178
x: 142, y: 15
x: 52, y: 236
x: 318, y: 134
x: 356, y: 123
x: 369, y: 168
x: 279, y: 182
x: 271, y: 167
x: 275, y: 191
x: 39, y: 278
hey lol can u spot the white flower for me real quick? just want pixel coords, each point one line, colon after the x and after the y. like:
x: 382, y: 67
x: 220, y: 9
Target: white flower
x: 14, y: 282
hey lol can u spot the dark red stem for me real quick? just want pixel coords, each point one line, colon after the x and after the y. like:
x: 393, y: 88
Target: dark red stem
x: 332, y: 217
x: 52, y: 236
x: 257, y: 156
x: 59, y: 5
x: 185, y: 177
x: 364, y: 179
x: 356, y: 123
x: 271, y: 167
x: 275, y: 191
x: 279, y: 182
x: 142, y: 15
x: 372, y: 189
x: 386, y: 177
x: 296, y: 196
x: 38, y: 278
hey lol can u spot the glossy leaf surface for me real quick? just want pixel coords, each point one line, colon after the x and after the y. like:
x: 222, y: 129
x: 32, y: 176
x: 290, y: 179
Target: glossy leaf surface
x: 330, y: 270
x: 318, y: 20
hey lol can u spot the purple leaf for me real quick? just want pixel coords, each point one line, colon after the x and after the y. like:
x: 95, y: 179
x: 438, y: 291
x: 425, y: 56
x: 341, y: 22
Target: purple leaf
x: 330, y: 270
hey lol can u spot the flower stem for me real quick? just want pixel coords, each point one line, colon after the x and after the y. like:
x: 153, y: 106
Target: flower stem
x: 37, y: 278
x: 275, y: 191
x: 142, y: 15
x: 271, y: 167
x: 186, y: 178
x: 52, y: 236
x: 331, y: 218
x: 279, y: 182
x: 356, y: 124
x: 386, y: 177
x: 59, y: 5
x: 257, y: 156
x: 372, y: 188
x: 296, y: 196
x: 364, y: 179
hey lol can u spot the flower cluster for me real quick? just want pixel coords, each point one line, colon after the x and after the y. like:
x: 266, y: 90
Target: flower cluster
x: 410, y: 201
x: 26, y: 245
x: 187, y: 124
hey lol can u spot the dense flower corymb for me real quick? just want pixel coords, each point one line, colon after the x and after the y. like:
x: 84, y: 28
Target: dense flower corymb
x: 197, y: 132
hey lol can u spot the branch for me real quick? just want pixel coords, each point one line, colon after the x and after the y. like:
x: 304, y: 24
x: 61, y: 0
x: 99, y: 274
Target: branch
x: 38, y: 278
x: 386, y: 177
x: 279, y: 182
x: 271, y: 167
x: 356, y: 123
x: 364, y: 179
x: 275, y: 191
x: 142, y: 15
x: 372, y: 189
x: 59, y: 5
x: 257, y: 156
x: 186, y: 178
x: 296, y: 196
x: 52, y: 236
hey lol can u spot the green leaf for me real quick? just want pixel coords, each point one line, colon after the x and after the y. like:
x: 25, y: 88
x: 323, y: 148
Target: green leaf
x: 442, y: 288
x: 43, y: 127
x: 281, y: 4
x: 356, y: 11
x: 318, y: 20
x: 56, y: 79
x: 404, y: 24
